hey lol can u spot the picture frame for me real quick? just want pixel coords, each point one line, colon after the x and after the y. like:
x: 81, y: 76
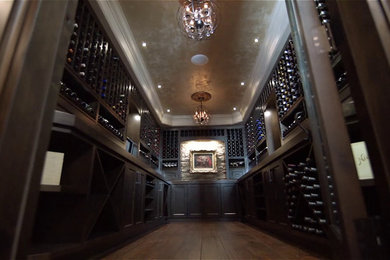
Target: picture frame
x: 203, y: 162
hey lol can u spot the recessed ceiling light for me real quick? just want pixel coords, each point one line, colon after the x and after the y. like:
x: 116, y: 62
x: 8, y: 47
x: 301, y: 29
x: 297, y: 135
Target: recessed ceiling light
x: 256, y: 40
x: 159, y: 86
x: 137, y: 117
x: 168, y: 110
x: 267, y: 113
x: 199, y: 59
x: 234, y: 108
x: 143, y: 44
x: 242, y: 83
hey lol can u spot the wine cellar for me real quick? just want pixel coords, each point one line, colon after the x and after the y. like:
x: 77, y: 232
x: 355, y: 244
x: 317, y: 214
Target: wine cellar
x: 95, y: 159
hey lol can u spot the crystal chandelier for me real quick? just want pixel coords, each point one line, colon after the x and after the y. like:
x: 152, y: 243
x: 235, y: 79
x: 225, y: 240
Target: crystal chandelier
x: 198, y: 18
x: 201, y: 116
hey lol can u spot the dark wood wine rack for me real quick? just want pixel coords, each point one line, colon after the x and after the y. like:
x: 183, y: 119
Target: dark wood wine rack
x: 170, y: 144
x: 150, y: 133
x: 235, y: 142
x: 95, y: 79
x: 202, y: 132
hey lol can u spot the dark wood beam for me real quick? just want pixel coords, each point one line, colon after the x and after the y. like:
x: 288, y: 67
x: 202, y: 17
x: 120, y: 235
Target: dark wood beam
x: 39, y: 31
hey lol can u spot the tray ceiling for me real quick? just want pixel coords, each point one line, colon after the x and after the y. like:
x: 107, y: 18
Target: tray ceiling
x: 233, y: 56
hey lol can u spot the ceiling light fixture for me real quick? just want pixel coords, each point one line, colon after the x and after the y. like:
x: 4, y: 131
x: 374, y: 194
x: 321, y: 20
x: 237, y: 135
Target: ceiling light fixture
x: 201, y: 116
x: 143, y: 44
x: 168, y: 110
x: 242, y: 83
x: 159, y: 86
x: 198, y: 18
x: 256, y: 40
x: 234, y: 108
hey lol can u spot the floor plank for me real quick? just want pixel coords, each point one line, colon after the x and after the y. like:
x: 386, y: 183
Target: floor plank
x: 209, y: 240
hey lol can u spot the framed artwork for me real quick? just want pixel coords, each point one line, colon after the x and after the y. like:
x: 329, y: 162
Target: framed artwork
x: 203, y: 162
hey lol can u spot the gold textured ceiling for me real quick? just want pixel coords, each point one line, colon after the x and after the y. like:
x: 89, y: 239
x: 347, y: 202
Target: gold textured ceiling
x: 232, y: 52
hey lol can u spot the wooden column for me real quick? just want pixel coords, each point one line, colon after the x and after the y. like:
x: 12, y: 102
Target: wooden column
x: 32, y: 55
x: 330, y: 138
x: 366, y: 50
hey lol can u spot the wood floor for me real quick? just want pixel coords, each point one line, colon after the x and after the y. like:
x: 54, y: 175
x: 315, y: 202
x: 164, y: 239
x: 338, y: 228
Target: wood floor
x: 209, y: 240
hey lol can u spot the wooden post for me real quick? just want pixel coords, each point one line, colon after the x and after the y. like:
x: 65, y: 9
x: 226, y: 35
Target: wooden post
x: 330, y: 138
x: 34, y: 47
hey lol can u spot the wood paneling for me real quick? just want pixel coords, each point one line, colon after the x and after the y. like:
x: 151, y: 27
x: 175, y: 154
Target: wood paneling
x: 204, y: 200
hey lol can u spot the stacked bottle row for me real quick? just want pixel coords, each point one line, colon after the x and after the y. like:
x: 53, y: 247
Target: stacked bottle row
x: 295, y: 119
x: 304, y: 202
x: 255, y: 131
x: 286, y: 80
x: 77, y: 99
x: 202, y: 132
x: 170, y: 164
x: 170, y: 145
x: 235, y: 143
x: 236, y: 163
x: 109, y: 125
x: 93, y: 59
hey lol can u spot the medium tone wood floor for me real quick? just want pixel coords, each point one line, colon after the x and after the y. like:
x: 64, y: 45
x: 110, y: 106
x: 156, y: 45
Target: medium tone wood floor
x: 209, y: 240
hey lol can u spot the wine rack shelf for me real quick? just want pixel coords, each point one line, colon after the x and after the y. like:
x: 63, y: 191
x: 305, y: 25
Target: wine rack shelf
x: 286, y: 81
x: 304, y: 202
x: 255, y: 131
x: 150, y: 134
x: 170, y: 145
x: 170, y: 164
x: 150, y: 198
x: 259, y: 198
x: 94, y: 77
x: 236, y: 163
x: 235, y: 142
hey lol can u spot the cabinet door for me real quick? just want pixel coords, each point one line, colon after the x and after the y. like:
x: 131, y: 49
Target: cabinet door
x: 178, y: 201
x: 229, y: 199
x: 128, y: 197
x: 280, y: 194
x: 160, y: 197
x: 275, y: 194
x: 194, y: 201
x: 139, y: 197
x: 211, y: 200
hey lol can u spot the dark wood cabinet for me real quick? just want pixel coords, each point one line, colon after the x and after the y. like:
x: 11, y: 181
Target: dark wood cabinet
x: 275, y: 193
x: 104, y: 194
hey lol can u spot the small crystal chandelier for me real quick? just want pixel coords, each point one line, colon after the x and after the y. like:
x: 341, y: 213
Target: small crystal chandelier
x: 201, y: 116
x: 198, y: 18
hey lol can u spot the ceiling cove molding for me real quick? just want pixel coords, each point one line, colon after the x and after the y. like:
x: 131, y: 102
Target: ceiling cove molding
x: 217, y: 119
x: 120, y: 29
x: 274, y: 41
